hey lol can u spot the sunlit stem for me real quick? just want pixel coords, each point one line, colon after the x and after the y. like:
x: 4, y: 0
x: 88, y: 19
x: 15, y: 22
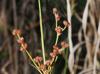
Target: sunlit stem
x: 33, y: 61
x: 57, y: 37
x: 29, y: 55
x: 41, y: 30
x: 56, y: 23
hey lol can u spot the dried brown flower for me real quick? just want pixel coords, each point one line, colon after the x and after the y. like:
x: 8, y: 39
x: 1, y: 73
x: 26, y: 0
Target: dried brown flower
x: 16, y: 32
x: 53, y: 55
x: 58, y: 30
x: 66, y: 23
x: 20, y: 40
x: 55, y: 10
x: 42, y: 67
x: 38, y: 59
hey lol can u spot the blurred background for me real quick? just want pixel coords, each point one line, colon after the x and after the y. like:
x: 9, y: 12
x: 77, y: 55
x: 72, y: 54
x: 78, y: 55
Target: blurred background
x: 23, y: 14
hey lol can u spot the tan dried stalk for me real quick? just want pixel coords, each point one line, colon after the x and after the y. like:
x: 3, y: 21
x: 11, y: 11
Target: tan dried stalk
x: 71, y: 55
x: 84, y: 26
x: 96, y: 50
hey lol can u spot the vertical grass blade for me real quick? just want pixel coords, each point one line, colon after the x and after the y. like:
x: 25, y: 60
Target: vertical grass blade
x: 41, y: 29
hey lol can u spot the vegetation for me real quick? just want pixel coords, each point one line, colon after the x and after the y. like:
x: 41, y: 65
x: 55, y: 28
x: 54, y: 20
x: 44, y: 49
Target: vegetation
x: 49, y: 37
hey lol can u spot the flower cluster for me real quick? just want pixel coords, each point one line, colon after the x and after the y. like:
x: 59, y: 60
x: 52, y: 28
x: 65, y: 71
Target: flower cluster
x: 16, y: 32
x: 20, y: 40
x: 66, y: 24
x: 38, y: 59
x: 44, y: 67
x: 55, y: 51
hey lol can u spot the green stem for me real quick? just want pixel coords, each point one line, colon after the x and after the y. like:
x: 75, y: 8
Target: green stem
x: 41, y: 29
x: 36, y: 68
x: 63, y: 28
x: 66, y: 62
x: 56, y: 23
x: 57, y: 37
x: 33, y: 61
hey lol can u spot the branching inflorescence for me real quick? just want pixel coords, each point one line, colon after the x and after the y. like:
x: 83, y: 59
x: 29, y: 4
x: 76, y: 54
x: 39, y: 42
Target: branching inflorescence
x: 43, y: 65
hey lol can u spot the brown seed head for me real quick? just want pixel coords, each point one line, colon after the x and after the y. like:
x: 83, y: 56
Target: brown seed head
x: 20, y: 40
x: 16, y: 32
x: 53, y: 55
x: 23, y: 46
x: 55, y: 10
x: 66, y: 23
x: 58, y: 30
x: 42, y: 67
x: 38, y: 59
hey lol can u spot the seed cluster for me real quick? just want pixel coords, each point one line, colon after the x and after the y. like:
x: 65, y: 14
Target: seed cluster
x: 46, y: 67
x: 20, y: 40
x: 57, y: 16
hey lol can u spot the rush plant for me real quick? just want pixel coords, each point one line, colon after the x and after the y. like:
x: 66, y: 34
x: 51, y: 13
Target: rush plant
x: 40, y: 63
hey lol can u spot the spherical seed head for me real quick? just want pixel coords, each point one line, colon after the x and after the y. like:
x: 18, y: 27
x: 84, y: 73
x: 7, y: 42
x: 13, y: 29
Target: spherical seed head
x: 25, y: 45
x: 20, y: 40
x: 38, y: 59
x: 16, y: 31
x: 66, y: 23
x: 55, y: 10
x: 21, y: 49
x: 57, y: 16
x: 58, y: 30
x: 42, y: 67
x: 52, y: 55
